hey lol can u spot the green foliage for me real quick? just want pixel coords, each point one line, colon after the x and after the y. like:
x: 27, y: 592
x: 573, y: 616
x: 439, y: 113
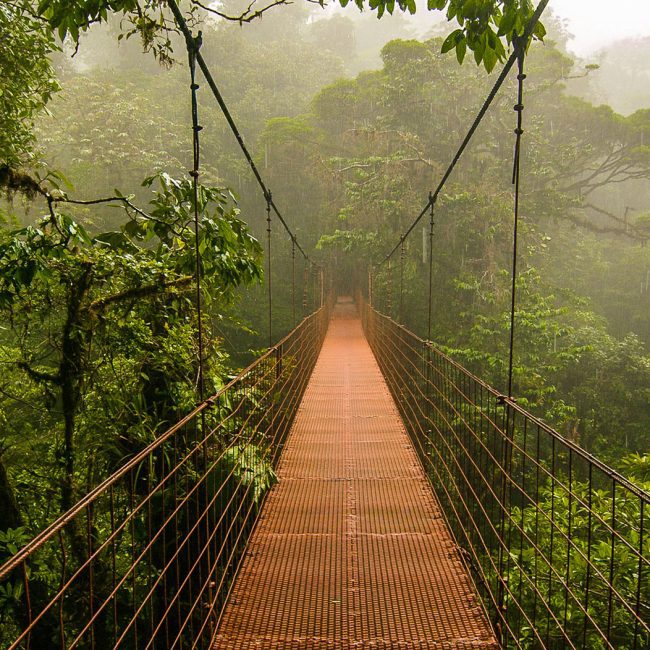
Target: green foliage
x: 26, y: 80
x: 637, y: 467
x: 71, y: 18
x: 610, y: 385
x: 483, y: 23
x: 105, y: 325
x: 11, y: 591
x: 555, y: 563
x: 356, y: 242
x: 243, y: 468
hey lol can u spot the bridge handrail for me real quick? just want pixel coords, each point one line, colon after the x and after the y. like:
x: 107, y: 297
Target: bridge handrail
x: 637, y: 490
x: 170, y: 524
x: 51, y: 530
x: 556, y: 540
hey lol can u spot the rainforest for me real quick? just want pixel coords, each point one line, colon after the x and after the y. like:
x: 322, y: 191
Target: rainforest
x: 161, y: 232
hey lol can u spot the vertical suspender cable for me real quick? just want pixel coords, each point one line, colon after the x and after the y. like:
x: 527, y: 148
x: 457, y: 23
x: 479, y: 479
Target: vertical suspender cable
x: 193, y: 46
x: 508, y: 422
x: 293, y: 280
x: 519, y: 107
x: 401, y: 283
x: 431, y: 224
x: 305, y: 287
x: 390, y: 291
x: 268, y: 265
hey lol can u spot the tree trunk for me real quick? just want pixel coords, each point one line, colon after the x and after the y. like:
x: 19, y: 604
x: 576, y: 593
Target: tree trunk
x: 9, y: 512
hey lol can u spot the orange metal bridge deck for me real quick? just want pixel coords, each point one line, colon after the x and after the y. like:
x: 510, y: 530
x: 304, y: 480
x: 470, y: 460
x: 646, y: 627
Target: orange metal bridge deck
x: 351, y: 550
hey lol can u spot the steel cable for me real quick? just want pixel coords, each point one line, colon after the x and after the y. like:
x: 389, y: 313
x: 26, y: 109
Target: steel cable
x: 532, y: 23
x: 182, y: 24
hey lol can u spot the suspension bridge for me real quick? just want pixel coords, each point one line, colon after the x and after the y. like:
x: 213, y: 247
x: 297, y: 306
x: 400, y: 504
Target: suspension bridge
x: 354, y: 487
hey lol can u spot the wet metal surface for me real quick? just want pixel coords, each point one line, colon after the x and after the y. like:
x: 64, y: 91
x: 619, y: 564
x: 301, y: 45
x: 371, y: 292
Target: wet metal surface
x: 351, y: 550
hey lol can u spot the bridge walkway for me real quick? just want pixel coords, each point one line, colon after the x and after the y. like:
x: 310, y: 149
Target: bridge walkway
x: 351, y: 550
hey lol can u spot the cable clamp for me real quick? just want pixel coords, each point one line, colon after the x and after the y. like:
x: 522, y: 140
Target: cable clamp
x: 195, y: 43
x: 518, y: 107
x: 519, y: 131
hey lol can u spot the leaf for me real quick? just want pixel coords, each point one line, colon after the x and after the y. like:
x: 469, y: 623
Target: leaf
x: 489, y: 59
x: 461, y: 50
x: 82, y: 234
x: 452, y: 40
x: 507, y: 22
x: 539, y: 31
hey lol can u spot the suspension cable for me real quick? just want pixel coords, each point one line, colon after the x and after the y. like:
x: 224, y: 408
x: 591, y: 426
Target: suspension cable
x: 269, y: 199
x: 401, y: 284
x: 193, y: 46
x: 519, y: 108
x: 182, y: 24
x: 293, y: 281
x: 390, y: 290
x: 305, y: 287
x: 431, y: 224
x: 477, y: 121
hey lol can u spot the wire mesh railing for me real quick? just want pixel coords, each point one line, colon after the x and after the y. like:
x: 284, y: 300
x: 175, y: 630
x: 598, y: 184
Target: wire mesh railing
x: 147, y: 559
x: 556, y: 541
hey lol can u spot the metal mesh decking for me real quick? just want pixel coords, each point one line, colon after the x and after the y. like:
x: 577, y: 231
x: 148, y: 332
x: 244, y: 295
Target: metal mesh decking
x: 351, y: 550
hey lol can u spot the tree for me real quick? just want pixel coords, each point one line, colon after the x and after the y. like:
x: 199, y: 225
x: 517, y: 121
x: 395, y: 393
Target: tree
x: 77, y: 304
x: 483, y: 24
x: 26, y: 82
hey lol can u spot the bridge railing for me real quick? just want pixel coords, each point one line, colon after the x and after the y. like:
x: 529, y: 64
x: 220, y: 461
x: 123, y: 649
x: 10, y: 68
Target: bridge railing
x: 557, y: 542
x: 147, y: 559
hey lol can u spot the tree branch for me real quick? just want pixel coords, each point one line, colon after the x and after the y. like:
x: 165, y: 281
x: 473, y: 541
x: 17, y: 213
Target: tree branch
x: 138, y: 292
x: 37, y: 375
x: 247, y: 16
x: 110, y: 199
x: 634, y: 234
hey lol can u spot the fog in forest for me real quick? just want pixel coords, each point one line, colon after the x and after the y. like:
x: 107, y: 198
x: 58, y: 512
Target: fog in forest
x: 352, y: 122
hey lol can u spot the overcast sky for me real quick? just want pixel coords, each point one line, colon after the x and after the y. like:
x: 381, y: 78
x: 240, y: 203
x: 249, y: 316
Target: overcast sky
x: 596, y: 23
